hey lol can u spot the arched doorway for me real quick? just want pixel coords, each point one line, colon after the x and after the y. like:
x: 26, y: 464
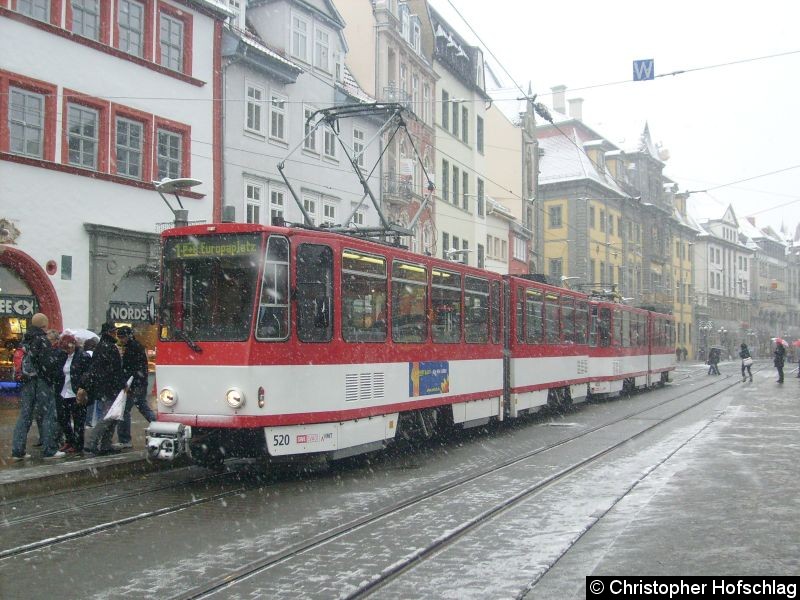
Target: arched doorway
x: 29, y: 271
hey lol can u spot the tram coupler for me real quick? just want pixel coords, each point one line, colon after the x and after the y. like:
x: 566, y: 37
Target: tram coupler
x: 167, y: 441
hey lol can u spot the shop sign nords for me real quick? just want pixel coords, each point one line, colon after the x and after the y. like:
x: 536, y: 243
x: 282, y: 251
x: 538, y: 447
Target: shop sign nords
x: 17, y: 306
x: 132, y: 311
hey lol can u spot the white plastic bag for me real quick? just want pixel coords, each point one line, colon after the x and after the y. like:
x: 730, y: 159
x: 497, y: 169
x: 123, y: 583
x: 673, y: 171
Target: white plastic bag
x: 117, y: 410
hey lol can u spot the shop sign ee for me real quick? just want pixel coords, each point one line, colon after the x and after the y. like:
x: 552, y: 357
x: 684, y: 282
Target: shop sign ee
x: 17, y: 306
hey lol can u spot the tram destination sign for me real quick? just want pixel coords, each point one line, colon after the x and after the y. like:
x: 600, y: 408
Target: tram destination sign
x: 18, y: 306
x: 215, y: 248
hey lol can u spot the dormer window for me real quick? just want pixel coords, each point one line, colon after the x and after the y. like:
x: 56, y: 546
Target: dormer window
x: 404, y: 22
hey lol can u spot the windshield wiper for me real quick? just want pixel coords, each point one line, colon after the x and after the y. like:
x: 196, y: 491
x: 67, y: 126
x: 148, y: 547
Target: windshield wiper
x: 182, y: 335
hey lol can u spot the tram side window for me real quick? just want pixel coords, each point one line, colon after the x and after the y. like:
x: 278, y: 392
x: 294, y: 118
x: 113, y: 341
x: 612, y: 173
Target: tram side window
x: 593, y: 327
x: 533, y: 306
x: 494, y: 317
x: 364, y: 292
x: 476, y: 313
x: 273, y: 305
x: 409, y: 303
x: 604, y: 327
x: 617, y: 340
x: 626, y: 329
x: 568, y: 319
x: 551, y: 320
x: 446, y: 301
x: 520, y: 310
x: 581, y: 322
x: 314, y: 293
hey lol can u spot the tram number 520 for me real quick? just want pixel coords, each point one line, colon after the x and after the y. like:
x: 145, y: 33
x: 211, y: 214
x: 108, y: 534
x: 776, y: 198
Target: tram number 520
x: 280, y: 440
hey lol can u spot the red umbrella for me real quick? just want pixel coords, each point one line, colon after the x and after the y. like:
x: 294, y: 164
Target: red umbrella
x: 796, y: 343
x: 778, y: 340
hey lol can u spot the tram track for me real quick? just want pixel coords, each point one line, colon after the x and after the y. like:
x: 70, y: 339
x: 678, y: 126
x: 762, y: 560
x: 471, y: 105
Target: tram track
x: 41, y: 518
x: 311, y: 544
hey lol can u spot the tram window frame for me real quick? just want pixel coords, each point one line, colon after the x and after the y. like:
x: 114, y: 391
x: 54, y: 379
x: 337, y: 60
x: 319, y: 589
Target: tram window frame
x: 314, y: 292
x: 408, y: 279
x: 534, y: 313
x: 476, y: 316
x: 520, y: 315
x: 626, y: 329
x: 552, y: 335
x: 616, y: 339
x: 494, y: 315
x: 604, y: 327
x: 446, y: 292
x: 373, y: 305
x: 581, y: 322
x: 593, y: 328
x: 568, y: 319
x: 274, y: 286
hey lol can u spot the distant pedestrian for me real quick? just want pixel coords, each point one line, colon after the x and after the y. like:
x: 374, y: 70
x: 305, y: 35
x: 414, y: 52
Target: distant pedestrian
x: 779, y: 358
x: 37, y: 397
x: 134, y: 364
x: 747, y: 362
x: 71, y: 414
x: 685, y: 353
x: 713, y: 360
x: 102, y: 382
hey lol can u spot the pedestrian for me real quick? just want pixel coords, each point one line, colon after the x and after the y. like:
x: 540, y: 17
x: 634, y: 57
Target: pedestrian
x: 747, y: 362
x: 713, y: 360
x: 72, y: 415
x: 779, y: 358
x: 134, y: 365
x: 91, y: 414
x: 678, y: 353
x: 36, y: 397
x: 102, y: 382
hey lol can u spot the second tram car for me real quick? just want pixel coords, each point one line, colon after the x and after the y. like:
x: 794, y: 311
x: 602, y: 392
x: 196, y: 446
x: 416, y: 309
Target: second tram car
x: 284, y: 342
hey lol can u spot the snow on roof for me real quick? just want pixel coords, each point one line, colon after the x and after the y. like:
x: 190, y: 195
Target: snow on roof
x: 252, y: 40
x: 351, y: 87
x: 216, y: 5
x: 562, y: 161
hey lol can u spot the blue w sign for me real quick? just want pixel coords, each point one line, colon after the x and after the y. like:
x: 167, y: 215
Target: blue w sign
x: 643, y: 69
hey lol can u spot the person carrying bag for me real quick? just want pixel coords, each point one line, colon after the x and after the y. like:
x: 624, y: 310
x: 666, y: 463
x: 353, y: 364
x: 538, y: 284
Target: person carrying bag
x: 747, y: 362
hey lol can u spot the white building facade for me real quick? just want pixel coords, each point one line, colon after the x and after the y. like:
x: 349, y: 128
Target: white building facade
x: 97, y: 99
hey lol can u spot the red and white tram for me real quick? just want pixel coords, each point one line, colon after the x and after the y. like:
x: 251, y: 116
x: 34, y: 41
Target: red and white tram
x: 280, y: 342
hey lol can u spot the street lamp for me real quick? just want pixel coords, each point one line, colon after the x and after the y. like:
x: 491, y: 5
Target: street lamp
x: 172, y: 186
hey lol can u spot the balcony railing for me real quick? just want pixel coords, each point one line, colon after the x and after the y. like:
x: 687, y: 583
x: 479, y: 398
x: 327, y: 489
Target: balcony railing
x: 402, y: 97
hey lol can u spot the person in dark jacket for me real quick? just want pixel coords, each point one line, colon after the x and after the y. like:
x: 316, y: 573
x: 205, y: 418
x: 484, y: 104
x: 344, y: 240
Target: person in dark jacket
x: 71, y: 415
x: 102, y: 382
x: 779, y: 358
x: 134, y: 365
x: 36, y: 396
x: 744, y: 353
x: 713, y: 360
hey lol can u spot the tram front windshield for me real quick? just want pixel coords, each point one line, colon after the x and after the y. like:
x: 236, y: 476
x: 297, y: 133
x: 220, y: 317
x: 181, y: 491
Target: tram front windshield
x: 208, y: 287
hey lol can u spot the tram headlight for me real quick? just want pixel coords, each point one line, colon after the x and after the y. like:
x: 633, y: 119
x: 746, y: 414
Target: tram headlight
x: 235, y: 398
x: 168, y: 397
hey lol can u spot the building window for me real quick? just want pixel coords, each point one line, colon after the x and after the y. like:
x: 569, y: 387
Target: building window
x: 169, y: 154
x: 253, y: 193
x: 310, y: 206
x: 255, y: 101
x: 131, y: 24
x: 277, y: 117
x: 445, y: 110
x: 465, y: 124
x: 591, y: 217
x: 555, y: 268
x: 310, y: 141
x: 38, y: 9
x: 26, y: 122
x: 465, y: 191
x: 171, y: 42
x: 322, y: 50
x: 129, y: 147
x: 445, y: 180
x: 329, y: 213
x: 479, y: 134
x: 555, y: 217
x: 611, y: 224
x: 358, y: 218
x: 426, y: 103
x: 329, y: 147
x: 481, y: 257
x: 84, y: 136
x: 456, y: 180
x: 276, y: 198
x: 602, y: 220
x: 358, y: 146
x: 481, y: 206
x: 455, y: 117
x: 300, y: 39
x: 86, y: 18
x: 520, y: 249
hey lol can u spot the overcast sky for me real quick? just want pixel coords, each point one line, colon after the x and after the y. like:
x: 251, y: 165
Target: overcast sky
x: 720, y: 124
